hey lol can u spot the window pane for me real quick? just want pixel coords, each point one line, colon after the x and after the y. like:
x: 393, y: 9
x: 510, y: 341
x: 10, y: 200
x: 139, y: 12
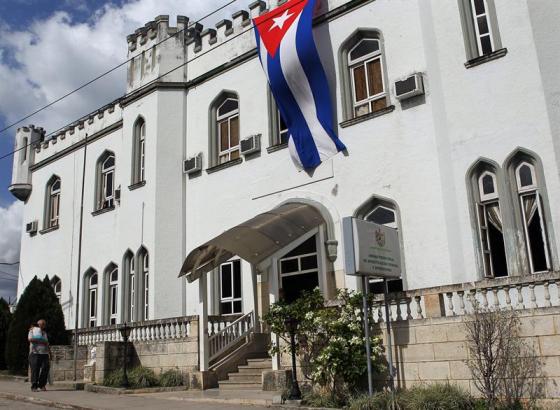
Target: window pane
x: 375, y: 78
x: 486, y: 45
x: 234, y: 154
x: 309, y: 246
x: 289, y: 266
x: 228, y: 106
x: 525, y: 176
x: 381, y: 216
x: 482, y: 25
x: 488, y: 185
x: 236, y: 279
x: 379, y: 104
x: 234, y: 131
x: 362, y: 109
x: 92, y: 300
x: 293, y: 286
x: 224, y: 136
x: 115, y: 276
x: 93, y: 280
x: 364, y: 48
x: 225, y: 308
x: 360, y: 91
x: 55, y: 186
x: 226, y: 281
x: 109, y: 185
x: 109, y: 162
x: 309, y: 262
x: 237, y: 308
x: 479, y: 7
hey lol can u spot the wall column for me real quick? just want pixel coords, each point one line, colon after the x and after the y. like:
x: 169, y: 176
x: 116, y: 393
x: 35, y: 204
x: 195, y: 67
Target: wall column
x: 273, y: 297
x: 256, y: 310
x: 203, y: 351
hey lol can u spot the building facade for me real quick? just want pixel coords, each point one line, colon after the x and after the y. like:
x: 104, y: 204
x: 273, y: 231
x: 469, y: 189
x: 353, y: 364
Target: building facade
x: 467, y: 171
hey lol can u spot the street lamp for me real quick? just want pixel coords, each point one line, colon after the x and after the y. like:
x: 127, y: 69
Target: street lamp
x: 125, y: 333
x: 291, y: 324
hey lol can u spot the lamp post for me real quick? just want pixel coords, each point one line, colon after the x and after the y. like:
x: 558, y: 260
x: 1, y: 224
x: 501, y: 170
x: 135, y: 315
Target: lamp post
x: 291, y: 325
x: 125, y: 333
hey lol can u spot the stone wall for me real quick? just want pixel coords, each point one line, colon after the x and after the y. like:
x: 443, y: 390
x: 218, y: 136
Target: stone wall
x: 62, y: 362
x: 156, y: 355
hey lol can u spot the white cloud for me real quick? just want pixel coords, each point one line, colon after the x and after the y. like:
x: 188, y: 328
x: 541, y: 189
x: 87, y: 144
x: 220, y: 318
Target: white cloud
x: 10, y: 226
x: 55, y: 55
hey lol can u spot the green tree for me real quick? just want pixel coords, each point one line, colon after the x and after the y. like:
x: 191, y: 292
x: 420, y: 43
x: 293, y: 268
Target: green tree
x: 38, y: 301
x: 5, y: 320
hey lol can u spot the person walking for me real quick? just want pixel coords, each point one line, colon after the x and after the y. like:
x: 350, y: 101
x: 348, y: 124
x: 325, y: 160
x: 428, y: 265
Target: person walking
x: 39, y: 355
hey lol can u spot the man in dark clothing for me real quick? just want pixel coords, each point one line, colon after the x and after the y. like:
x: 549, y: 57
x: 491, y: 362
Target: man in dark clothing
x: 39, y: 355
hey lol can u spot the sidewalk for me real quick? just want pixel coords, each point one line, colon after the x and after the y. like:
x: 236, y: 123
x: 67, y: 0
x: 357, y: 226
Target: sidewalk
x: 60, y: 397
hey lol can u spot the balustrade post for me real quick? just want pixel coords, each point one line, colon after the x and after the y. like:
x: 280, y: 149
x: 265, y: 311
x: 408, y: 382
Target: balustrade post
x: 508, y: 297
x: 547, y: 302
x: 418, y: 299
x: 496, y: 300
x: 461, y: 294
x: 520, y: 304
x: 450, y: 303
x: 532, y: 296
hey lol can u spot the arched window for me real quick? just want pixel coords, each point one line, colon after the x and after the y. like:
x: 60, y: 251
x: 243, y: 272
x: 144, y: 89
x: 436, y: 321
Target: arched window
x: 56, y: 284
x: 90, y: 298
x: 142, y: 284
x: 139, y: 152
x: 224, y: 114
x: 52, y: 209
x: 111, y: 294
x: 129, y: 305
x: 487, y: 216
x: 480, y: 27
x: 531, y: 206
x: 381, y: 212
x: 363, y: 76
x: 106, y: 181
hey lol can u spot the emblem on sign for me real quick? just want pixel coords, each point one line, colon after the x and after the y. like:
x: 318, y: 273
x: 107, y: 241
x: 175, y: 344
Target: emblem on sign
x: 380, y: 237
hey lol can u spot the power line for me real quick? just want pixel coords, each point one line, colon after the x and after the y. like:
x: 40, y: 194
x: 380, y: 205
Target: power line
x: 155, y: 79
x: 50, y: 104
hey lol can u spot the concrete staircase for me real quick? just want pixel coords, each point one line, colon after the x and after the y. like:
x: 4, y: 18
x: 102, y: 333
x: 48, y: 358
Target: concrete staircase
x: 248, y: 376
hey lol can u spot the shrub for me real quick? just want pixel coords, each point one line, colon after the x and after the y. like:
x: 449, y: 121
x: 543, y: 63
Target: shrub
x: 5, y: 320
x: 435, y: 397
x: 142, y: 377
x: 171, y: 378
x: 320, y: 397
x: 114, y: 378
x: 38, y: 301
x: 330, y: 340
x: 379, y: 401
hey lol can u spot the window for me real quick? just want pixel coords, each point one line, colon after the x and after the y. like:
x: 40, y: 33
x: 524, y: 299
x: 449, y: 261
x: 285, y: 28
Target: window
x: 139, y: 152
x: 366, y: 72
x: 279, y: 133
x: 56, y: 284
x: 230, y: 288
x: 146, y: 273
x: 106, y: 181
x: 228, y: 130
x: 532, y: 217
x: 480, y: 28
x: 128, y: 292
x: 299, y: 270
x: 92, y: 300
x: 224, y: 129
x: 53, y: 203
x: 382, y: 213
x: 111, y: 294
x: 132, y: 298
x: 283, y: 132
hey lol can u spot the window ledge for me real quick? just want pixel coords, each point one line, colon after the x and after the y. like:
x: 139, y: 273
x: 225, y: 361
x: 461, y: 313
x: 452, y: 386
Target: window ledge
x: 136, y: 185
x: 277, y: 147
x: 225, y: 165
x: 47, y: 230
x: 366, y: 117
x: 486, y: 58
x: 103, y: 210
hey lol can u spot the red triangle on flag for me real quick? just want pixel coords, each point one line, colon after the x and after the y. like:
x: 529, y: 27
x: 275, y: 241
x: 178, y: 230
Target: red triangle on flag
x: 272, y: 26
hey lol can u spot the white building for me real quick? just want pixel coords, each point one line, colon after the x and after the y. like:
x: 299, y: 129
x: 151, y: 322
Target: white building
x: 468, y: 171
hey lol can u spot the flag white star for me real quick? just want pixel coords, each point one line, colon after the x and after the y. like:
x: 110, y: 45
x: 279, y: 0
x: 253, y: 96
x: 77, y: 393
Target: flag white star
x: 281, y: 20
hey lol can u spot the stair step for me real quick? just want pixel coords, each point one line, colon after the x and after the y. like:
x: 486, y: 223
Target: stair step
x: 251, y: 371
x: 261, y: 366
x: 234, y: 385
x: 239, y: 377
x: 260, y: 360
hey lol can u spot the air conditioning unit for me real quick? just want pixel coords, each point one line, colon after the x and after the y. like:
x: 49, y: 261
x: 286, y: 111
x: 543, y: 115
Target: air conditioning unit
x: 193, y: 164
x: 250, y: 144
x: 118, y: 194
x: 409, y: 87
x: 31, y: 227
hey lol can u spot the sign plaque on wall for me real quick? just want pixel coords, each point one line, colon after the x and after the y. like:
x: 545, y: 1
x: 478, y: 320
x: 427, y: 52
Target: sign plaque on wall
x: 370, y: 249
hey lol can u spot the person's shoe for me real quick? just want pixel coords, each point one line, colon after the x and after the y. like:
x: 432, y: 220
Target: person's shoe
x: 34, y: 389
x: 43, y: 389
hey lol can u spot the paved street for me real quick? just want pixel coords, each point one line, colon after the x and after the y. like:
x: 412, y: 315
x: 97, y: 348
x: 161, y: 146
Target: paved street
x: 213, y: 400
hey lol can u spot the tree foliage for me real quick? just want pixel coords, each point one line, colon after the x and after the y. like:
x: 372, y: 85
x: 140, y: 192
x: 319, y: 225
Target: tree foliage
x: 5, y: 320
x: 38, y: 301
x: 330, y: 339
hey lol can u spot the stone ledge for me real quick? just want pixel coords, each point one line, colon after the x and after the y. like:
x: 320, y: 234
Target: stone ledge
x: 94, y: 388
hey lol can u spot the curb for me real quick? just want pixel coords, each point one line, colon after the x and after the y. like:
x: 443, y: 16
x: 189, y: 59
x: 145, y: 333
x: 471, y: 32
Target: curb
x: 43, y: 402
x: 94, y: 388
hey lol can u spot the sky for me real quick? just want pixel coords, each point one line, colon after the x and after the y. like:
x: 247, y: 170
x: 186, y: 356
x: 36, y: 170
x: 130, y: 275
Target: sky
x: 49, y: 47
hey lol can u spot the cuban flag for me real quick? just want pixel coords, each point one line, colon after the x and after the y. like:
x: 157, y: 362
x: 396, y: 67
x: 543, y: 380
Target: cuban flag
x: 298, y: 82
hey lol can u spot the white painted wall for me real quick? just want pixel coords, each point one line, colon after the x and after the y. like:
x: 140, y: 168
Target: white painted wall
x: 417, y: 157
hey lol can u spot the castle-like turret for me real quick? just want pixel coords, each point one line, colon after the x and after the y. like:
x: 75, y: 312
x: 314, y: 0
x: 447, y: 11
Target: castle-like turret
x: 26, y: 140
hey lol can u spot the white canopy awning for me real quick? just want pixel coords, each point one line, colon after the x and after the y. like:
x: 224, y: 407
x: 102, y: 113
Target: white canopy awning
x: 253, y: 240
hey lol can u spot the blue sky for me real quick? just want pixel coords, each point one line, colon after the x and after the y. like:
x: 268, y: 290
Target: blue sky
x: 49, y: 47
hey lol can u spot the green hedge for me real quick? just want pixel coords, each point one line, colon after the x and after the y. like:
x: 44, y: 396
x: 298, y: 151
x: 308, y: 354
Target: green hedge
x: 5, y: 320
x: 142, y: 377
